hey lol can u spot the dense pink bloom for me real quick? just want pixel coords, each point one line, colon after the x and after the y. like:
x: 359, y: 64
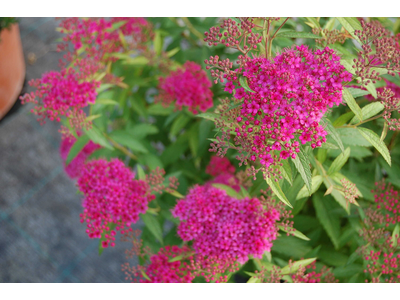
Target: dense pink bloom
x: 219, y: 165
x: 388, y: 203
x: 61, y: 94
x: 74, y: 169
x: 224, y: 227
x: 187, y: 86
x: 112, y: 195
x: 291, y: 94
x: 160, y: 270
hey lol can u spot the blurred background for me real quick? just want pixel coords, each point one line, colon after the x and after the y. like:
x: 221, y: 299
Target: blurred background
x: 41, y: 237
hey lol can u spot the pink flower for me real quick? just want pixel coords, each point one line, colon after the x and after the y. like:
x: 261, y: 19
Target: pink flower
x: 61, y: 94
x: 188, y: 86
x: 74, y: 168
x: 161, y: 270
x: 224, y: 227
x: 291, y: 94
x: 112, y: 197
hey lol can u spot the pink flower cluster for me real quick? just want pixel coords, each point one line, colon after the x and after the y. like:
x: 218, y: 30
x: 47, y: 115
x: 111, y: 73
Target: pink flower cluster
x: 112, y: 197
x: 161, y: 270
x: 224, y: 227
x: 219, y: 165
x: 388, y: 201
x: 60, y: 94
x: 290, y: 95
x: 74, y: 168
x: 223, y: 171
x: 97, y: 37
x: 187, y: 86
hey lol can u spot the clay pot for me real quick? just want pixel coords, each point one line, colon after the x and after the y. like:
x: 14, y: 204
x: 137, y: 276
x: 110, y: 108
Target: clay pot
x: 12, y: 68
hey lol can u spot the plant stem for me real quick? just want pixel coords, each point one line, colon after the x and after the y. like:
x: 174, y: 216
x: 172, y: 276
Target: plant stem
x: 192, y: 29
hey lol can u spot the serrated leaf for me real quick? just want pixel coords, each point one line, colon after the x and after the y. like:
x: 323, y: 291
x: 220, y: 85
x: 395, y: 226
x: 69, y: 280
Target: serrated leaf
x: 303, y: 166
x: 327, y: 145
x: 286, y: 171
x: 350, y: 24
x: 208, y: 116
x: 275, y: 187
x: 153, y: 225
x: 379, y: 145
x: 315, y: 184
x: 298, y: 34
x: 384, y: 131
x: 329, y: 221
x: 330, y: 24
x: 296, y: 233
x: 351, y: 136
x: 77, y: 147
x: 352, y: 104
x: 368, y: 111
x: 296, y: 265
x: 348, y: 65
x: 358, y: 92
x: 97, y: 137
x: 333, y: 133
x: 339, y: 161
x: 313, y: 21
x: 244, y: 84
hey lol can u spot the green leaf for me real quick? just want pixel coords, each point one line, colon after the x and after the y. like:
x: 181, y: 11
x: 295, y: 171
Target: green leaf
x: 173, y: 52
x: 358, y: 92
x: 296, y: 265
x: 384, y: 131
x: 297, y: 34
x: 352, y: 103
x: 141, y: 174
x: 107, y: 102
x: 372, y: 89
x: 158, y: 110
x: 314, y: 22
x: 208, y: 116
x: 286, y: 171
x: 351, y: 24
x: 351, y: 136
x: 76, y: 148
x: 339, y: 161
x: 104, y: 87
x: 395, y: 235
x: 153, y: 225
x: 175, y: 193
x: 303, y: 166
x: 369, y: 111
x: 348, y: 65
x: 229, y: 191
x: 158, y: 42
x: 278, y: 191
x: 329, y: 221
x: 139, y: 131
x: 375, y: 140
x: 315, y: 184
x: 333, y: 133
x: 296, y: 233
x: 97, y: 137
x: 136, y: 61
x: 179, y: 123
x: 125, y: 138
x: 244, y: 84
